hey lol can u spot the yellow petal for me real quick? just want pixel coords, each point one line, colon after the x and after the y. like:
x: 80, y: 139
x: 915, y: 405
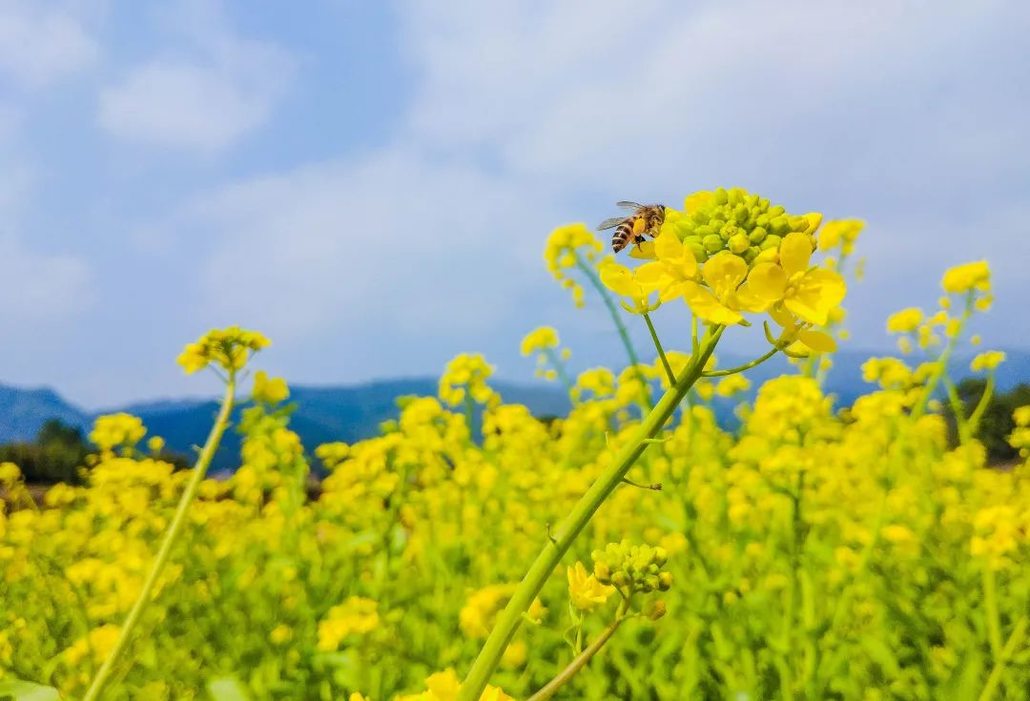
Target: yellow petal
x: 696, y: 201
x: 782, y: 317
x: 644, y: 250
x: 668, y: 246
x: 703, y: 303
x: 724, y: 272
x: 619, y: 279
x: 818, y: 341
x: 814, y: 220
x: 749, y: 301
x: 795, y: 251
x: 815, y: 295
x: 767, y: 280
x: 652, y: 275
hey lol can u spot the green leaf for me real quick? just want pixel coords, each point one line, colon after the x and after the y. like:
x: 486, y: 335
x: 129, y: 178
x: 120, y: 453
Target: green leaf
x: 17, y: 690
x: 226, y: 689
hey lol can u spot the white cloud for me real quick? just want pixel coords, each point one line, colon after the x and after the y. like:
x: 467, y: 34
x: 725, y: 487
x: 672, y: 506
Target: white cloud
x: 527, y: 108
x: 42, y: 42
x: 225, y: 89
x: 396, y: 241
x: 41, y: 287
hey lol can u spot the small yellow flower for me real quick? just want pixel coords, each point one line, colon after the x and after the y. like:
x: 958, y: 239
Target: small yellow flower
x: 269, y: 390
x: 585, y: 591
x: 625, y: 283
x: 810, y: 294
x: 967, y: 277
x: 905, y: 321
x: 988, y: 360
x: 229, y: 348
x: 542, y: 338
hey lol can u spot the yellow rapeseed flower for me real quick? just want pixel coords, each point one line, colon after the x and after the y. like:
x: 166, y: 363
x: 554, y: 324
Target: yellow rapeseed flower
x: 988, y: 360
x: 905, y: 321
x: 541, y: 338
x: 585, y: 592
x: 967, y: 277
x: 269, y: 390
x: 228, y: 348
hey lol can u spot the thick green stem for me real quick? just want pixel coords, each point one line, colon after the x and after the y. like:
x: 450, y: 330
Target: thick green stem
x: 555, y: 548
x: 103, y: 675
x: 661, y: 351
x: 581, y: 660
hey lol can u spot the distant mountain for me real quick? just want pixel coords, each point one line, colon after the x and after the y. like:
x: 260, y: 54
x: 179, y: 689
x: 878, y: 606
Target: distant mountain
x: 23, y: 412
x: 349, y: 413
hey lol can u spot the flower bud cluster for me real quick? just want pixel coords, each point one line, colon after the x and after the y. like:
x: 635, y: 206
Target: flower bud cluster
x: 632, y: 568
x: 736, y: 221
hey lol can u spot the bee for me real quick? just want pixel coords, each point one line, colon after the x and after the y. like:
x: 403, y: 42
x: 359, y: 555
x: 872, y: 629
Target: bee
x: 646, y: 219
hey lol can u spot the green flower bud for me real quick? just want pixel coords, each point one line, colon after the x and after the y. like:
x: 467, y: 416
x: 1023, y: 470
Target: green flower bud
x: 697, y: 248
x: 665, y: 581
x: 772, y: 242
x: 780, y: 226
x: 656, y: 610
x: 621, y: 579
x: 739, y: 243
x: 713, y: 243
x: 757, y: 234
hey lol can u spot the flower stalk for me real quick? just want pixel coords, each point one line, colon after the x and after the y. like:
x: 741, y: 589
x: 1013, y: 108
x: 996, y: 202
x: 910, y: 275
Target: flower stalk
x: 554, y: 549
x: 103, y: 675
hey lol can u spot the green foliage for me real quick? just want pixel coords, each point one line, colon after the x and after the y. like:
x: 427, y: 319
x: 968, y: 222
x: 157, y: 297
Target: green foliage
x: 56, y: 455
x: 996, y: 425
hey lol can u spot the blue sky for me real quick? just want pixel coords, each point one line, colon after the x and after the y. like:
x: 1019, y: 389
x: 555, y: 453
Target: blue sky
x: 372, y: 183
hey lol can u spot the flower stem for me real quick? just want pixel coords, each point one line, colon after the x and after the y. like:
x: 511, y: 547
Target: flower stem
x: 661, y: 351
x: 555, y: 548
x: 581, y: 660
x: 1014, y: 641
x: 746, y: 366
x: 103, y: 675
x: 991, y: 610
x: 595, y: 282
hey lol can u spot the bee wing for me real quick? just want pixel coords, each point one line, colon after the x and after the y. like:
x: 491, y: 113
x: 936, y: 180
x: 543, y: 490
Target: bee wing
x: 627, y: 204
x: 610, y: 223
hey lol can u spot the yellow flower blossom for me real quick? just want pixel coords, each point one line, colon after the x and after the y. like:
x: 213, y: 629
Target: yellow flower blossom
x: 228, y: 348
x: 986, y: 361
x: 905, y: 321
x: 585, y: 591
x: 355, y: 616
x: 967, y: 277
x: 269, y: 390
x: 541, y: 338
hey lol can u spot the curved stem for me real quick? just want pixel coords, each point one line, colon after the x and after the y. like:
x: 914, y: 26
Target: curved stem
x: 581, y: 660
x: 661, y: 351
x: 554, y: 549
x: 103, y: 675
x: 981, y: 407
x: 746, y: 366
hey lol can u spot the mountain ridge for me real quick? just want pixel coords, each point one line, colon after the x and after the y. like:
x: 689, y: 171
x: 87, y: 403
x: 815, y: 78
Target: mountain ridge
x: 351, y: 412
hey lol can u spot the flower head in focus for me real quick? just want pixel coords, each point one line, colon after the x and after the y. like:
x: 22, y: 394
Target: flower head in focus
x: 228, y: 348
